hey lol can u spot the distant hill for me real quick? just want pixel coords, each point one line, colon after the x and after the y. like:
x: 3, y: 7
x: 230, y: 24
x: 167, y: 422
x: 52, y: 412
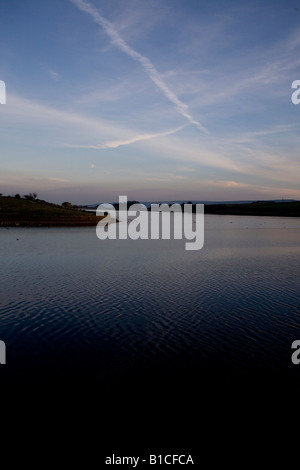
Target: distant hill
x: 35, y: 213
x: 181, y: 201
x: 269, y: 208
x: 280, y: 207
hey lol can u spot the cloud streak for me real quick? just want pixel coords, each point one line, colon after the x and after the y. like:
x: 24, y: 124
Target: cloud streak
x: 146, y: 64
x: 118, y: 143
x: 53, y: 75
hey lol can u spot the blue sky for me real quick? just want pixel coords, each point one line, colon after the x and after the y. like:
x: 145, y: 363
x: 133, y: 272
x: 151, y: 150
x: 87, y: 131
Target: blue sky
x: 153, y: 99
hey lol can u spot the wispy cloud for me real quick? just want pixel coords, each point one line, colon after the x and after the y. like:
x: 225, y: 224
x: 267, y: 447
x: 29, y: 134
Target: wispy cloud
x: 185, y: 168
x: 244, y: 154
x: 59, y: 180
x: 147, y: 65
x: 61, y: 125
x: 115, y: 144
x: 53, y: 75
x: 170, y: 177
x: 132, y: 140
x: 177, y: 177
x: 156, y: 179
x: 24, y: 113
x: 251, y: 188
x: 109, y: 94
x: 268, y: 71
x: 293, y: 41
x: 254, y: 136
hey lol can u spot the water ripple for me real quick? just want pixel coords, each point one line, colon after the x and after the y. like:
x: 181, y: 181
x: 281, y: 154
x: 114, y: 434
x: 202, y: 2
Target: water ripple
x: 65, y: 301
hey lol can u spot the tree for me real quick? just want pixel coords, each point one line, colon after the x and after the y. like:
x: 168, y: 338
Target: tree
x: 67, y: 204
x: 31, y: 196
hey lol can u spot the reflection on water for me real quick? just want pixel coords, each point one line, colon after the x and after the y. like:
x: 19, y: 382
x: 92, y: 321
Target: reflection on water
x: 72, y: 305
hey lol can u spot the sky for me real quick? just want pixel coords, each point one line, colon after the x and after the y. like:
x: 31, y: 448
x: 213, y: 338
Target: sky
x: 152, y: 99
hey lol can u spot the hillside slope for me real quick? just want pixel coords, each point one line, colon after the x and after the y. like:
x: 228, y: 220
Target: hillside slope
x: 32, y: 213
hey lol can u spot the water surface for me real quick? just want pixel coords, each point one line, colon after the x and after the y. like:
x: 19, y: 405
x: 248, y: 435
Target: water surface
x: 117, y: 311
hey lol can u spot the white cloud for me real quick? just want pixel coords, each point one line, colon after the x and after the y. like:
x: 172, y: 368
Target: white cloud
x: 59, y: 125
x: 147, y: 65
x: 59, y: 180
x: 132, y: 140
x: 79, y: 129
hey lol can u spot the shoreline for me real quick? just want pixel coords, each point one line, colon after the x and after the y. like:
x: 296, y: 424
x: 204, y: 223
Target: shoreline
x: 18, y: 212
x: 49, y: 223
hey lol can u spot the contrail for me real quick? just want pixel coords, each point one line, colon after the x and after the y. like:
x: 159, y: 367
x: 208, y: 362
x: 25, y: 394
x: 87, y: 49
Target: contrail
x: 148, y: 67
x: 119, y: 143
x: 132, y: 140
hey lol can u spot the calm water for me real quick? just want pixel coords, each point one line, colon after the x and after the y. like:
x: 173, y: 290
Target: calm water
x: 113, y: 313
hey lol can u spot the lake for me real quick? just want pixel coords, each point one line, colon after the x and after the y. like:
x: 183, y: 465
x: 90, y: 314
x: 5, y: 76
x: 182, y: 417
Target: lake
x: 147, y: 318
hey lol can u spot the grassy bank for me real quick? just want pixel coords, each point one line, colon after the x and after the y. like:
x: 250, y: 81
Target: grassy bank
x: 32, y: 213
